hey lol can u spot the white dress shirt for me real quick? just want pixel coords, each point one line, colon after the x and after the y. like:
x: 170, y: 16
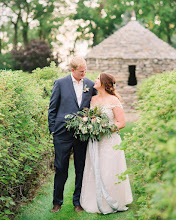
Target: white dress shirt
x: 78, y: 86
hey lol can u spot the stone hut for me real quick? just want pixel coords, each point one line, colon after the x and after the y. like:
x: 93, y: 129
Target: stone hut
x: 132, y: 54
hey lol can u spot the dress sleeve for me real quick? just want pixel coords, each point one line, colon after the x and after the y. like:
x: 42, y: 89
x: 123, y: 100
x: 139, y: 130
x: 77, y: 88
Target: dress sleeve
x: 117, y: 105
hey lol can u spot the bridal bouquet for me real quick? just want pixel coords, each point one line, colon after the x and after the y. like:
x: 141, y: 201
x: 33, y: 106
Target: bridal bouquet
x: 89, y: 123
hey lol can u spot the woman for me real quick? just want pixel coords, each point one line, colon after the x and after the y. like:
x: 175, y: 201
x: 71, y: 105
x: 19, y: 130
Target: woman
x: 100, y: 193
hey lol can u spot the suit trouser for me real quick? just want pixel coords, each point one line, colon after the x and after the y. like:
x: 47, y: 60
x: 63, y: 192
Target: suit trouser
x: 61, y: 163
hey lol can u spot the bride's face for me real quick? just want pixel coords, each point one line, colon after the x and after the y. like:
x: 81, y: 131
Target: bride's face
x: 97, y: 83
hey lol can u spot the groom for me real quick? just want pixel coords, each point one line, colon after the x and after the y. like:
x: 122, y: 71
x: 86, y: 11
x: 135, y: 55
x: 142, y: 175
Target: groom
x: 70, y: 95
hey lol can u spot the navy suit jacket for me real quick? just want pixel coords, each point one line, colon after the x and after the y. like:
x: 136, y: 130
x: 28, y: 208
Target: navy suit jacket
x: 63, y: 101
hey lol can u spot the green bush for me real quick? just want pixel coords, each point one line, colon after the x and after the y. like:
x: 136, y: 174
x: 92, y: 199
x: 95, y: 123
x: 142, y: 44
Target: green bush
x: 6, y: 61
x: 36, y: 54
x: 25, y: 147
x: 25, y: 144
x: 46, y: 77
x: 152, y: 147
x: 47, y: 72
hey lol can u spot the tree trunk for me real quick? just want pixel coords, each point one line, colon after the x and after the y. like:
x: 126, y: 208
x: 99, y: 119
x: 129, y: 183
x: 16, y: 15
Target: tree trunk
x: 44, y: 36
x: 25, y: 34
x: 94, y: 37
x: 169, y: 38
x: 95, y: 32
x: 15, y: 40
x: 40, y: 34
x: 0, y: 45
x: 72, y: 52
x: 168, y: 33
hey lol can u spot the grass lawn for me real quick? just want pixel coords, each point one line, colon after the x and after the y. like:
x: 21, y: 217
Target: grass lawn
x: 40, y: 208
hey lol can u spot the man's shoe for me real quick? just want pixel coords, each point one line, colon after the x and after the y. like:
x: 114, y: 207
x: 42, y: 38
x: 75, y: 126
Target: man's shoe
x: 56, y: 208
x: 78, y: 208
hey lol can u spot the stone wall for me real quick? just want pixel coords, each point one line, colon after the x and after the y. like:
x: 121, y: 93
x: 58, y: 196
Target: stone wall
x: 119, y: 67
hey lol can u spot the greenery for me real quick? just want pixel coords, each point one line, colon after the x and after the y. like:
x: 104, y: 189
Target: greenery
x: 105, y: 17
x: 46, y: 77
x: 36, y: 54
x: 6, y: 61
x: 91, y: 21
x: 127, y: 130
x: 26, y: 149
x: 89, y: 123
x: 24, y: 138
x: 23, y: 13
x: 40, y: 207
x: 152, y: 147
x: 159, y: 16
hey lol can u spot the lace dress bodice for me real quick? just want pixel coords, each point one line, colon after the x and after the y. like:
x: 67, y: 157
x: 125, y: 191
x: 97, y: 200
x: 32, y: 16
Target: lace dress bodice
x: 108, y: 109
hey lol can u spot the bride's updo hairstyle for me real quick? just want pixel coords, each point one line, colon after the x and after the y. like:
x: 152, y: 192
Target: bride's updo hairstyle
x: 108, y: 82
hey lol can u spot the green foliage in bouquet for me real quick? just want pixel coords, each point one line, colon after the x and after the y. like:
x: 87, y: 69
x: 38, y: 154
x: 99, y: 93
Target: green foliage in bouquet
x: 152, y: 147
x: 89, y: 123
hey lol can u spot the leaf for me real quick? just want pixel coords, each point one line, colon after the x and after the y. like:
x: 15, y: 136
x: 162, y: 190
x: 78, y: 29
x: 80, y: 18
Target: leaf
x: 141, y: 199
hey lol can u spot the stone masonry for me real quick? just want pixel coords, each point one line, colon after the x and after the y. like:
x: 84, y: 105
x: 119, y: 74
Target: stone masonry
x: 132, y: 45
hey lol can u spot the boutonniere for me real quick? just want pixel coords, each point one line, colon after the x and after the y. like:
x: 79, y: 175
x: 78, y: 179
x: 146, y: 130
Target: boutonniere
x: 86, y: 89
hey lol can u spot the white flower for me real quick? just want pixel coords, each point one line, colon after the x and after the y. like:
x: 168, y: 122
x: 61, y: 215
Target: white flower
x: 84, y: 130
x: 90, y: 126
x: 86, y: 89
x: 98, y: 120
x: 95, y: 132
x: 85, y: 119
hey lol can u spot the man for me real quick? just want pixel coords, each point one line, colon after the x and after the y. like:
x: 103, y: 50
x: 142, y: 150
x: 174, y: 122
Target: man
x: 70, y: 95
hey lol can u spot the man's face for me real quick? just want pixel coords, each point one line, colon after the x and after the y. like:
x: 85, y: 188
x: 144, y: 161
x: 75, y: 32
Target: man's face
x: 79, y: 73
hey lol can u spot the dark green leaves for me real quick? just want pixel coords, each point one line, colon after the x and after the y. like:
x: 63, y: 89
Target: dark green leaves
x: 152, y: 147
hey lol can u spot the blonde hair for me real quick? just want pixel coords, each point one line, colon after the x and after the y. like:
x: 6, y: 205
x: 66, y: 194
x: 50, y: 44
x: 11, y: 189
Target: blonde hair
x: 77, y: 62
x: 108, y: 82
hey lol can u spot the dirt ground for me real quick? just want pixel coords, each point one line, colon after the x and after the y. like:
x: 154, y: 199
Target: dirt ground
x: 131, y: 117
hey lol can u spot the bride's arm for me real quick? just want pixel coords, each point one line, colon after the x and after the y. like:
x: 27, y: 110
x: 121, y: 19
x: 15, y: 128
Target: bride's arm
x: 119, y: 116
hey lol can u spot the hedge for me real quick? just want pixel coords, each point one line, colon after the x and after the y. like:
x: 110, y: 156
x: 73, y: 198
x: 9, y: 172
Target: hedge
x: 25, y: 145
x: 6, y: 61
x: 152, y: 148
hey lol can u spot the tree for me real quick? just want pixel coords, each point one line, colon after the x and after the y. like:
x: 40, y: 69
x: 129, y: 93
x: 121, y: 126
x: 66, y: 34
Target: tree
x: 36, y: 54
x: 159, y: 16
x: 14, y: 15
x: 103, y: 17
x: 34, y: 17
x: 49, y: 18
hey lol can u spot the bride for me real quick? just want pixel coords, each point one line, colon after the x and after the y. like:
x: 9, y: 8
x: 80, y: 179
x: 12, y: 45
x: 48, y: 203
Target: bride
x: 101, y: 192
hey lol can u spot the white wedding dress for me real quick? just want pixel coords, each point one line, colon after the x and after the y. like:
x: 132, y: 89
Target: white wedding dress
x: 100, y: 192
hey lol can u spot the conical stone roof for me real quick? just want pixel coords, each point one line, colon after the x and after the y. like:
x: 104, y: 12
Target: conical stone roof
x: 133, y: 41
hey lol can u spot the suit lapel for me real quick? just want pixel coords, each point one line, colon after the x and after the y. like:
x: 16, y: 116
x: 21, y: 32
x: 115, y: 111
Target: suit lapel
x: 83, y: 93
x: 71, y: 87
